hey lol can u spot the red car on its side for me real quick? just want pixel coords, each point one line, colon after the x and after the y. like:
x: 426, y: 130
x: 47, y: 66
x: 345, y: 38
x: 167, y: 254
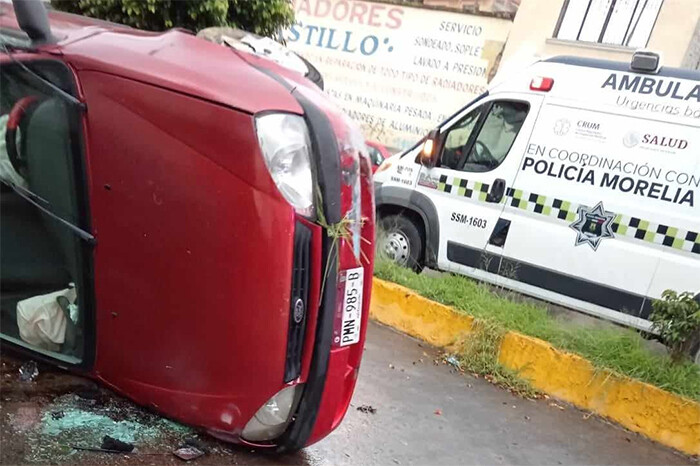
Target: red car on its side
x: 165, y: 212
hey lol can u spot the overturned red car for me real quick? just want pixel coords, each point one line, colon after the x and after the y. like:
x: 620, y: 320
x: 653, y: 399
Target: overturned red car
x: 189, y: 224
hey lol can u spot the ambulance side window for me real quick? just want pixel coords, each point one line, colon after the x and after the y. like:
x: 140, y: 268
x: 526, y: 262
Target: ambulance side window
x: 484, y: 136
x: 459, y: 139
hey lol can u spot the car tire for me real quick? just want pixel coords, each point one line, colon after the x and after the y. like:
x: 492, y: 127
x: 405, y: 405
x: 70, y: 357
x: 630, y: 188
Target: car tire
x: 401, y: 240
x: 312, y: 75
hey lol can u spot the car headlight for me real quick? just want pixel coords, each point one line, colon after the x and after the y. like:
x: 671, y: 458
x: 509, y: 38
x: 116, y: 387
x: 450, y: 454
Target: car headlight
x: 286, y: 148
x: 272, y: 418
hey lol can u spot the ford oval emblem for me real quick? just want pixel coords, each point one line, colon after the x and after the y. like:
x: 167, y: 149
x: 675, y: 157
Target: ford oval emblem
x: 298, y: 311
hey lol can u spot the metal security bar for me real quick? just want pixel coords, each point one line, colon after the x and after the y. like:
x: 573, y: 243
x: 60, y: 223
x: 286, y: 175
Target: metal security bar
x: 615, y: 22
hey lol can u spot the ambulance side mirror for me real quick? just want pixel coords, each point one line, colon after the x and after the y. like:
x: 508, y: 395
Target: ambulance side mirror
x: 430, y: 151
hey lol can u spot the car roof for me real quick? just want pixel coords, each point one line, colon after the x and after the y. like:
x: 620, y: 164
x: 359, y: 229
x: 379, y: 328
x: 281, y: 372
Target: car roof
x: 174, y: 59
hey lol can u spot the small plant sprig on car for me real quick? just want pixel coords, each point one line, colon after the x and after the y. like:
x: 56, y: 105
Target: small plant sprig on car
x: 677, y: 319
x: 337, y: 231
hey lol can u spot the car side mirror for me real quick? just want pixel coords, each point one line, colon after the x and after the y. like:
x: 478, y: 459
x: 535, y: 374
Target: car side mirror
x: 430, y: 151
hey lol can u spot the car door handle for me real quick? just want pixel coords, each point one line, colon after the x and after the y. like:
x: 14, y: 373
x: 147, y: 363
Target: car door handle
x: 498, y: 188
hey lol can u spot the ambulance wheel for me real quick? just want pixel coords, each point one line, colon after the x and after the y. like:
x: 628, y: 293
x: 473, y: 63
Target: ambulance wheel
x: 401, y: 240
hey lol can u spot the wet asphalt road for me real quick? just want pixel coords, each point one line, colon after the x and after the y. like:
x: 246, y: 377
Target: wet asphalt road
x: 426, y: 413
x: 479, y: 423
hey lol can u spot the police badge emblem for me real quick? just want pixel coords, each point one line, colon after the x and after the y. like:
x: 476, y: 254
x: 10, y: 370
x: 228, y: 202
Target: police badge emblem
x: 593, y: 225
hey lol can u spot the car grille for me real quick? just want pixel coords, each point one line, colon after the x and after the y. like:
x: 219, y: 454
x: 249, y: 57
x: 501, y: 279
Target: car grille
x: 299, y: 301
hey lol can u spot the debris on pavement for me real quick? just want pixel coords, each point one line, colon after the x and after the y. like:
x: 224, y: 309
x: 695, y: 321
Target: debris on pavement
x: 196, y: 443
x: 58, y: 428
x: 454, y: 362
x: 438, y: 412
x: 97, y: 450
x: 93, y: 395
x: 367, y: 409
x: 28, y: 371
x: 188, y: 453
x: 555, y: 405
x: 111, y: 443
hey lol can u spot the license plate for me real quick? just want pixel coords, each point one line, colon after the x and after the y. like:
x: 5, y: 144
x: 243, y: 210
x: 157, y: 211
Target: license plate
x: 347, y: 328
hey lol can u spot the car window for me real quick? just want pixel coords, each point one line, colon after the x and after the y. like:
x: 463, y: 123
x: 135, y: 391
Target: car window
x: 40, y: 253
x: 375, y: 155
x: 43, y: 151
x: 458, y: 139
x: 481, y: 140
x: 496, y: 136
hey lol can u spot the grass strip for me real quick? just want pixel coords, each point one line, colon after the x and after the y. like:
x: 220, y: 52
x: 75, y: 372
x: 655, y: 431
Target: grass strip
x: 478, y: 354
x: 619, y: 349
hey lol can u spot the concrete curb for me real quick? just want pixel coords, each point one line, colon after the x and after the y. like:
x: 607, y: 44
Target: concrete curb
x: 662, y: 416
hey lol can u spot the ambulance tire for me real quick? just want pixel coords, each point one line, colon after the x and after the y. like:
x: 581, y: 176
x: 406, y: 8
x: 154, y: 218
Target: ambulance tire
x: 402, y: 241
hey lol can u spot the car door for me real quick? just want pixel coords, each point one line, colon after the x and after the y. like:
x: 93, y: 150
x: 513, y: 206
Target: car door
x: 480, y: 156
x: 45, y: 242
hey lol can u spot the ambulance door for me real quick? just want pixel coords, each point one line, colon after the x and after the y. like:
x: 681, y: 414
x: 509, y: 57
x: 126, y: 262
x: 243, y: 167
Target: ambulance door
x: 585, y: 232
x: 481, y: 152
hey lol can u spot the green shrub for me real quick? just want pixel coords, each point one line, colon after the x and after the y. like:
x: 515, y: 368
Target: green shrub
x: 677, y: 319
x: 264, y: 17
x: 260, y: 16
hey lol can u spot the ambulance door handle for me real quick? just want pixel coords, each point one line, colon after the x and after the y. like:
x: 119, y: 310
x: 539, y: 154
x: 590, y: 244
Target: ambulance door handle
x: 498, y: 188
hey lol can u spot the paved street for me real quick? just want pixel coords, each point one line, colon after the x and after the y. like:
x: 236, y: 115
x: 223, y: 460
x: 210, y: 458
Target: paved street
x: 425, y: 414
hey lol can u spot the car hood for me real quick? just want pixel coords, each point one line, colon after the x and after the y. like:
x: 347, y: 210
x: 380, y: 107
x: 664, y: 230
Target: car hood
x: 175, y: 60
x: 184, y: 63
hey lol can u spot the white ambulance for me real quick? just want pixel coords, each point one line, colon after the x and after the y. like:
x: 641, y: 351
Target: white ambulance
x: 576, y: 181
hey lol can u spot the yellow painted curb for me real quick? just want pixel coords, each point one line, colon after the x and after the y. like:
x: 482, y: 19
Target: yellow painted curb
x: 401, y: 308
x: 662, y: 416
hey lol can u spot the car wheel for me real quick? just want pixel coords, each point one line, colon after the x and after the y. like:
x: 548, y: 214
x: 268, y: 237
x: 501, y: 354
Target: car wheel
x: 312, y: 75
x: 401, y: 241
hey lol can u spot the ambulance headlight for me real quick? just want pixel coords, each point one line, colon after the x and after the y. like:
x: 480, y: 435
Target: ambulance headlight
x: 273, y: 417
x: 286, y: 148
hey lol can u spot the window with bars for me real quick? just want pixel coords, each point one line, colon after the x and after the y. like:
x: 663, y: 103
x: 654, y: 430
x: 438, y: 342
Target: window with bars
x: 616, y: 22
